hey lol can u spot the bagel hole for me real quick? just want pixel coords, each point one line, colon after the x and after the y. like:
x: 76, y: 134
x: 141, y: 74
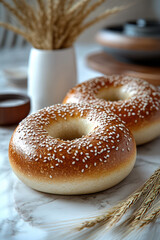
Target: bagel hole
x: 71, y: 129
x: 113, y: 94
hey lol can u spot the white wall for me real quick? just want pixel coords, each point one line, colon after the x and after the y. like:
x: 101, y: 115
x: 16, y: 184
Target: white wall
x: 140, y: 9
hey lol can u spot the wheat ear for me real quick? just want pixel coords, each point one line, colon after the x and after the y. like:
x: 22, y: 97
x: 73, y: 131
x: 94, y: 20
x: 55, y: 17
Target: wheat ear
x: 145, y: 205
x: 53, y: 24
x: 151, y: 216
x: 27, y: 11
x: 107, y: 13
x: 16, y: 14
x: 116, y: 213
x: 16, y: 30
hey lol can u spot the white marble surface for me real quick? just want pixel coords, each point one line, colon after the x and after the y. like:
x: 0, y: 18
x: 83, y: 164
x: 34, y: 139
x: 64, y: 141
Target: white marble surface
x: 30, y: 215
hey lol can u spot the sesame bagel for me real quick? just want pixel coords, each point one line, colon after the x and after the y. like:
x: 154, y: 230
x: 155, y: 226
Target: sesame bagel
x: 72, y: 149
x: 135, y: 101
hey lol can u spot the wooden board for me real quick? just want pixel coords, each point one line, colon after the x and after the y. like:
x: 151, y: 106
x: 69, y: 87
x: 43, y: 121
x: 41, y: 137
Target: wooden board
x: 107, y: 64
x: 119, y: 40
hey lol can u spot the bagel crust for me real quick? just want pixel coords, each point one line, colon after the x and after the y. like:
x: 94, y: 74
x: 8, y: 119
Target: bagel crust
x: 95, y: 161
x: 134, y: 100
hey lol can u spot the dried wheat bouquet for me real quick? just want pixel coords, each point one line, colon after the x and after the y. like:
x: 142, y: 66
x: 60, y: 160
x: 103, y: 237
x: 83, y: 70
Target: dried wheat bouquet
x: 53, y: 24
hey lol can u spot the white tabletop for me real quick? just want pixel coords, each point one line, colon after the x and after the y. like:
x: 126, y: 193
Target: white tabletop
x: 30, y: 215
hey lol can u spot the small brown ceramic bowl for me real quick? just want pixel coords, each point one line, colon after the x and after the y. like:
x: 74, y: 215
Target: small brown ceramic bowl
x: 13, y: 108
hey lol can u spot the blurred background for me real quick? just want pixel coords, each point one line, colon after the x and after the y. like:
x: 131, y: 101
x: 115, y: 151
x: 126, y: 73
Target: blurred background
x: 149, y: 9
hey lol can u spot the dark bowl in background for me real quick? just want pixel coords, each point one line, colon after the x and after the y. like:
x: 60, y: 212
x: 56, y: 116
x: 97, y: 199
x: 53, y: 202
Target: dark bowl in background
x: 137, y: 41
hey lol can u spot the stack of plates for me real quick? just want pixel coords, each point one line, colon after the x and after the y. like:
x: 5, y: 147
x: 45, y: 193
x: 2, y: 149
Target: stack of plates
x: 132, y: 49
x: 134, y: 41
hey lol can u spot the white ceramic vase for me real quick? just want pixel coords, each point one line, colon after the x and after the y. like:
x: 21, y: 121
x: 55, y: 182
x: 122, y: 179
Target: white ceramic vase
x: 51, y: 73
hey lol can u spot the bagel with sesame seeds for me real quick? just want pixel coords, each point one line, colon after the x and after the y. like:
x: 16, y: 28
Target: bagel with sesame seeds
x: 134, y: 100
x: 72, y: 149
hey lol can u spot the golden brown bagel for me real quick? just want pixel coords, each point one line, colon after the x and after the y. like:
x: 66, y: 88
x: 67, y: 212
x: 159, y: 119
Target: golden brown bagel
x: 72, y: 149
x: 135, y: 101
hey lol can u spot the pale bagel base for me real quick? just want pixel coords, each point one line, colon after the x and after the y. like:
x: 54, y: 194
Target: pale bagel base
x: 147, y: 133
x: 82, y: 185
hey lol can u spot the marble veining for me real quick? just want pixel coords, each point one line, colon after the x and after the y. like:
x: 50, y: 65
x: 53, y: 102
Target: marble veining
x: 59, y: 214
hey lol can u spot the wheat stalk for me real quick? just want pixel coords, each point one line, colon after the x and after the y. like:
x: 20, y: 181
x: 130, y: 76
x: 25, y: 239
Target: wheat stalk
x: 49, y: 22
x: 148, y: 218
x: 92, y: 8
x: 69, y: 3
x: 27, y: 12
x: 15, y: 12
x: 73, y: 19
x: 102, y: 16
x: 16, y: 30
x: 151, y: 216
x: 42, y: 18
x: 53, y: 24
x: 77, y: 31
x: 117, y: 212
x: 145, y: 205
x: 78, y: 6
x: 82, y: 28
